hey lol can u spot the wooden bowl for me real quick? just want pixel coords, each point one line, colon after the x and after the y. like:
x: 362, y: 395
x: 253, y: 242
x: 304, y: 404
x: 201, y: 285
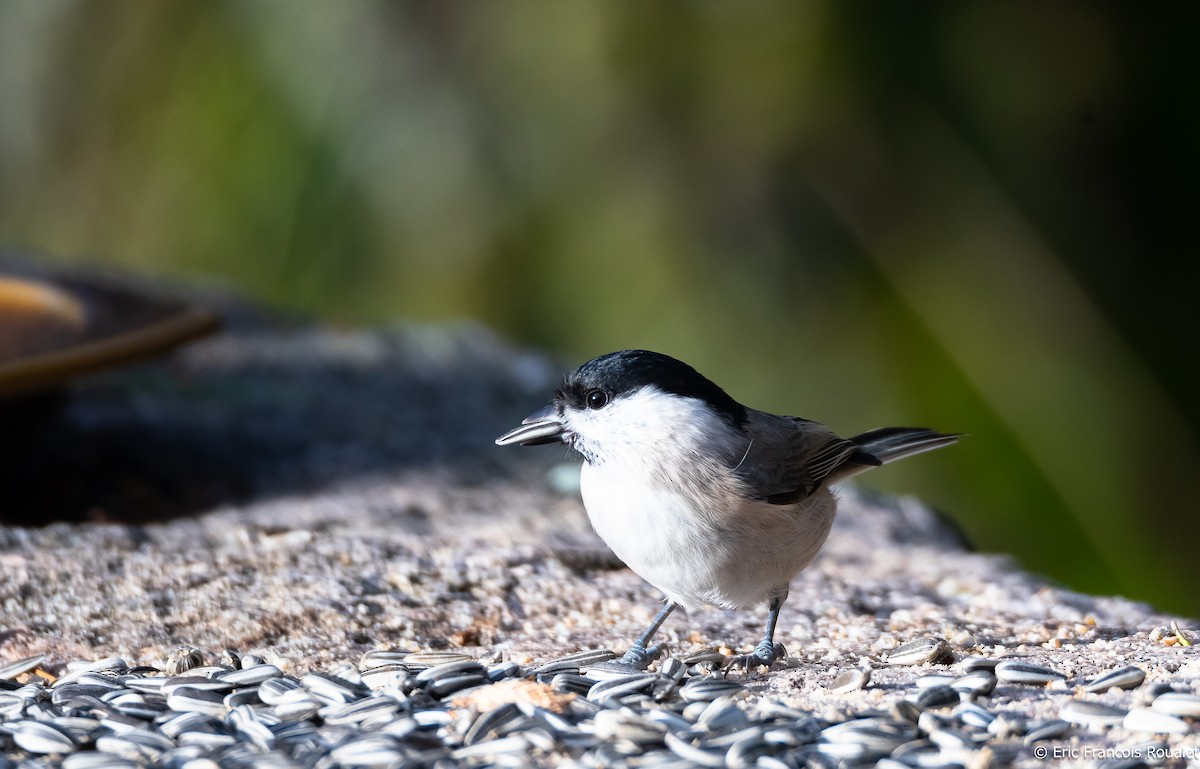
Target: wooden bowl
x: 54, y: 331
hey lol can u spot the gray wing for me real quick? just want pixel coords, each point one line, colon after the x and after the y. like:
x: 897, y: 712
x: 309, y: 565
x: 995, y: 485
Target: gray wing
x: 788, y: 457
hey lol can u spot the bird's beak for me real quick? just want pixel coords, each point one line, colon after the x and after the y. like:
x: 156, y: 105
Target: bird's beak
x: 540, y: 427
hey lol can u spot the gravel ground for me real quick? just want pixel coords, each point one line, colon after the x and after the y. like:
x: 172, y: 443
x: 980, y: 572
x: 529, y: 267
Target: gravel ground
x: 307, y: 494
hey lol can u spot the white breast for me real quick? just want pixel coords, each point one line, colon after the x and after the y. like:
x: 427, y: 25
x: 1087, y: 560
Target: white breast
x: 681, y: 521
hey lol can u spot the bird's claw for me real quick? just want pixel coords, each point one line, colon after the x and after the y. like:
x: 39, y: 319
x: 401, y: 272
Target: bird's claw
x: 635, y: 660
x: 765, y: 653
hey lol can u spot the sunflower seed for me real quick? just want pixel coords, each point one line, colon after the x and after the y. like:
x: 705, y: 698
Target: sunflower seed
x: 905, y: 710
x: 332, y: 688
x: 178, y: 723
x: 430, y: 659
x: 365, y: 711
x: 42, y: 711
x: 81, y: 728
x: 936, y: 697
x: 401, y: 727
x: 11, y: 670
x: 1047, y: 730
x: 770, y: 762
x: 916, y: 752
x: 1088, y: 712
x: 297, y: 705
x: 918, y: 652
x: 673, y: 668
x: 692, y: 753
x: 196, y: 682
x: 1017, y: 672
x: 1177, y: 704
x: 503, y: 670
x: 722, y: 714
x: 849, y: 752
x: 92, y: 666
x: 41, y: 738
x: 804, y: 731
x: 382, y: 676
x: 972, y: 715
x: 251, y: 676
x: 516, y: 743
x: 772, y: 708
x: 589, y: 657
x: 708, y: 688
x: 952, y: 739
x: 748, y: 752
x: 248, y: 696
x: 977, y: 683
x: 296, y: 733
x: 972, y: 664
x: 450, y: 670
x: 625, y: 724
x: 876, y: 734
x: 367, y: 752
x: 729, y: 738
x: 1147, y: 694
x: 11, y: 706
x: 850, y: 680
x: 273, y: 690
x: 242, y: 715
x: 937, y: 679
x: 432, y: 718
x: 208, y: 741
x: 1008, y: 725
x: 929, y: 721
x: 450, y: 684
x: 377, y: 657
x: 1154, y: 721
x: 142, y: 745
x: 705, y: 656
x: 615, y: 688
x: 96, y: 761
x: 490, y: 721
x: 81, y: 699
x: 101, y: 680
x: 1125, y: 678
x: 575, y: 684
x: 190, y: 699
x: 148, y: 684
x: 256, y: 733
x: 151, y: 707
x: 672, y: 721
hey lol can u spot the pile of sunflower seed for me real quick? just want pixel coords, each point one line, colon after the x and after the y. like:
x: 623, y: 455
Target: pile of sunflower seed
x: 431, y: 709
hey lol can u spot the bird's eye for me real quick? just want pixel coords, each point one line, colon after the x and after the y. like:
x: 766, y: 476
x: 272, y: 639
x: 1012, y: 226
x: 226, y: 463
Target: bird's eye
x: 596, y: 399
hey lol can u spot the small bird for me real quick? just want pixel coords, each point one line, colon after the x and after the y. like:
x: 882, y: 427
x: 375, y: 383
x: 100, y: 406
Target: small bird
x: 712, y: 502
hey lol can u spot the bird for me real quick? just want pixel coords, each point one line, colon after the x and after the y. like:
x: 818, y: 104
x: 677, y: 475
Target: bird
x: 710, y: 501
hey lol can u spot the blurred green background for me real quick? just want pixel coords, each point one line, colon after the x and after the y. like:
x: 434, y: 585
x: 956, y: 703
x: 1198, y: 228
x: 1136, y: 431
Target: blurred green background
x: 977, y: 216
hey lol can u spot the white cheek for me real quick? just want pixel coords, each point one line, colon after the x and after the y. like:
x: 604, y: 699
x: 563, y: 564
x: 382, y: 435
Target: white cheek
x: 649, y: 425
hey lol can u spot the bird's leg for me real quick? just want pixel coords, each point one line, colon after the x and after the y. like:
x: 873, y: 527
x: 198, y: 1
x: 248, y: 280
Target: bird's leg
x: 639, y: 656
x: 767, y: 650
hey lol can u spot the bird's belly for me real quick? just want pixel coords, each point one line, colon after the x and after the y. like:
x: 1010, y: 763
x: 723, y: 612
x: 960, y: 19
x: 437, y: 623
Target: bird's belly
x: 732, y: 553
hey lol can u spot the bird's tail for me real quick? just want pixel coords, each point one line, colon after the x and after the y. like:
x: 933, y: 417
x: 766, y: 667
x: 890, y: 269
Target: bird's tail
x: 887, y: 444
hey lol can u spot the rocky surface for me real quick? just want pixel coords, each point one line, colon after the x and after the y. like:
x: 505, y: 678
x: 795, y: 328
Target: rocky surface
x: 308, y: 494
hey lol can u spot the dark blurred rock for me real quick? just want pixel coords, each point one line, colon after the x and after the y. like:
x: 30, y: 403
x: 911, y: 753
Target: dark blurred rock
x: 266, y: 407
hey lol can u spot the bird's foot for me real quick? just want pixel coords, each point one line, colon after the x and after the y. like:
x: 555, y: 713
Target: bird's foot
x: 637, y: 659
x: 766, y: 653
